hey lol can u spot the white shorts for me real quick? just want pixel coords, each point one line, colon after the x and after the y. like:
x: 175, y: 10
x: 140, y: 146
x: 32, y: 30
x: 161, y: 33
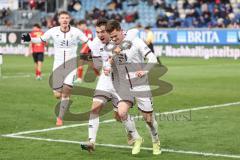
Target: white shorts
x: 144, y: 101
x: 144, y: 104
x: 63, y: 74
x: 105, y: 91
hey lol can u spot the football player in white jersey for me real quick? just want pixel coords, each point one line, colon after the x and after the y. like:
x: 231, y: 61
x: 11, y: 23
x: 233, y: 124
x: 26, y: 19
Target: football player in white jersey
x: 65, y: 38
x: 105, y: 91
x: 127, y: 64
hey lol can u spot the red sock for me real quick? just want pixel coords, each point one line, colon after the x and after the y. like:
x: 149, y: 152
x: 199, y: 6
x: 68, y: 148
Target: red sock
x: 36, y: 72
x: 96, y: 72
x: 80, y: 72
x: 40, y: 73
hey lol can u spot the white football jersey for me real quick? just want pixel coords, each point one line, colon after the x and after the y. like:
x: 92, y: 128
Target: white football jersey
x: 65, y: 43
x: 138, y: 51
x: 97, y: 48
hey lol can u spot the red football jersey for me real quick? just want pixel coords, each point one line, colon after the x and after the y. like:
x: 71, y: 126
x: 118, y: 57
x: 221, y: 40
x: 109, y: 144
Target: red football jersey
x: 85, y: 49
x: 37, y: 47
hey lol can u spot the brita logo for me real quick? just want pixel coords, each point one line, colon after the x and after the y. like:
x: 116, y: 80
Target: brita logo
x: 198, y: 37
x: 233, y: 37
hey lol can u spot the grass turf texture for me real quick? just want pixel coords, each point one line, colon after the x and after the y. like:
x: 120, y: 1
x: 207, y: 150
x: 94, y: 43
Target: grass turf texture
x: 27, y: 104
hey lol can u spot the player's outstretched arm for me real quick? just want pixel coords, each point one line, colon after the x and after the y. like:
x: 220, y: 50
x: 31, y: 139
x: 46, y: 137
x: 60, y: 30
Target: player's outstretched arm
x: 26, y: 37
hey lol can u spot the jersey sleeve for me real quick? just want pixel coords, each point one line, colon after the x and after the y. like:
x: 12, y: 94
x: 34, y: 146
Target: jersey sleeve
x: 47, y: 35
x: 81, y: 36
x: 131, y: 34
x: 90, y: 35
x: 146, y: 51
x: 142, y: 47
x: 95, y: 48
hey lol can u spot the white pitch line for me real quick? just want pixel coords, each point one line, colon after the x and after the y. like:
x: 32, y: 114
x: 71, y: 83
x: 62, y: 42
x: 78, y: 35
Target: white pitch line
x: 20, y: 76
x: 128, y: 147
x: 113, y: 120
x: 201, y: 108
x: 16, y: 76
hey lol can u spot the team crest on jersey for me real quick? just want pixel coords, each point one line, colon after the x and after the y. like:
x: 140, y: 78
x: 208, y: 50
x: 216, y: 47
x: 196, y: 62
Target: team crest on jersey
x: 63, y: 43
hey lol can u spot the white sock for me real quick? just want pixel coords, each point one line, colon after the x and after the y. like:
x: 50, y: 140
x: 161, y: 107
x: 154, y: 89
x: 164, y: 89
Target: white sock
x: 130, y: 127
x: 63, y: 107
x: 153, y: 129
x: 93, y: 125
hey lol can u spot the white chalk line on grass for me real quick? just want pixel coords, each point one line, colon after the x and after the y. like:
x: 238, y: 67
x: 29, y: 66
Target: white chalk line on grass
x: 127, y: 147
x: 17, y: 76
x: 20, y: 76
x: 19, y: 134
x: 113, y: 120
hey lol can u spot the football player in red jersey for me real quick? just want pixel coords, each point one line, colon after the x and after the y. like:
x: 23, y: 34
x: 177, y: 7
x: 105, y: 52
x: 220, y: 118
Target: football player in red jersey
x: 85, y: 52
x: 37, y: 51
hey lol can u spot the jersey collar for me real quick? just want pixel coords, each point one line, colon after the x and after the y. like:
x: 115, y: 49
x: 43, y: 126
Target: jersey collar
x: 66, y: 31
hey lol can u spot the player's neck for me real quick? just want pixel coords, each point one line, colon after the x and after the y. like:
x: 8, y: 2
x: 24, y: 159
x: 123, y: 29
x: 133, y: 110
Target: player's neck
x: 65, y: 29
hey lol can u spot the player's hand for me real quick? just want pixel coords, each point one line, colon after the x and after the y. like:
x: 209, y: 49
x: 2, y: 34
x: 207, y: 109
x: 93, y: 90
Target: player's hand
x: 110, y: 60
x: 117, y: 50
x: 26, y: 37
x: 140, y: 74
x: 107, y: 71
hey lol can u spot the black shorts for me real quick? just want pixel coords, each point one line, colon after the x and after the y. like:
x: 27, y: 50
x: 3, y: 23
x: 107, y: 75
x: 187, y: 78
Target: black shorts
x: 86, y: 56
x: 151, y: 47
x: 38, y: 56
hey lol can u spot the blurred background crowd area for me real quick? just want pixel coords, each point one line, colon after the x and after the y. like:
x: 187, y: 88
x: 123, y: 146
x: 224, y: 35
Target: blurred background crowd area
x: 131, y: 13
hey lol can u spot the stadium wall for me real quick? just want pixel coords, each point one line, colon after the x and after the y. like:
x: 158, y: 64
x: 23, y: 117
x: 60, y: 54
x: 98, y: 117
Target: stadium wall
x: 167, y: 42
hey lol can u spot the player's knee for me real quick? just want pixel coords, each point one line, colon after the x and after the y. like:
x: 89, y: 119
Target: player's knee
x: 117, y: 117
x: 97, y: 106
x: 122, y: 115
x: 148, y: 119
x: 57, y: 95
x: 65, y: 96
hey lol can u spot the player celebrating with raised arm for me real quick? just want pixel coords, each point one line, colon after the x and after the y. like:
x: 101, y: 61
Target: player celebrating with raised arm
x: 65, y: 38
x: 133, y: 57
x: 105, y: 90
x: 85, y: 52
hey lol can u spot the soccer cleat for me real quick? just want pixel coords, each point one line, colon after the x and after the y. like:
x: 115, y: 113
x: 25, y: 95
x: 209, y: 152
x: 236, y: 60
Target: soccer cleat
x: 38, y: 78
x: 90, y: 147
x: 78, y: 81
x: 137, y: 145
x: 59, y: 122
x: 156, y: 148
x: 130, y: 139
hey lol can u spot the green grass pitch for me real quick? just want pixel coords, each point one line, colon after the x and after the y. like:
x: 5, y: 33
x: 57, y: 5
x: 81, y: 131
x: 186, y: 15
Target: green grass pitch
x: 27, y: 104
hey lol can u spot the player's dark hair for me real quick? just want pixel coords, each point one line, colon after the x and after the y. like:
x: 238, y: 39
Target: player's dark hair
x: 147, y: 27
x: 113, y: 25
x: 81, y: 22
x: 37, y: 25
x: 101, y: 22
x: 63, y: 12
